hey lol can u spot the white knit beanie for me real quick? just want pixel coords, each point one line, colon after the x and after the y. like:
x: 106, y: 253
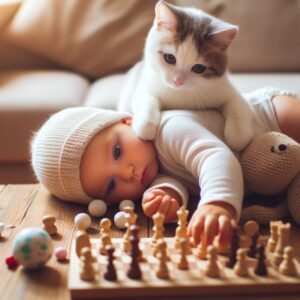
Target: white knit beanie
x: 58, y: 146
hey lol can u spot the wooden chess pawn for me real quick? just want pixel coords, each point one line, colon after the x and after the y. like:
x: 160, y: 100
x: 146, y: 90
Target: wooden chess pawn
x: 251, y: 229
x: 49, y: 224
x: 131, y: 218
x: 82, y: 240
x: 183, y: 262
x: 105, y: 241
x: 110, y: 273
x: 105, y: 225
x: 134, y: 271
x: 158, y: 228
x: 235, y: 245
x: 181, y: 230
x: 241, y: 266
x: 162, y: 271
x: 212, y: 268
x: 87, y: 271
x: 283, y: 238
x: 201, y: 251
x: 288, y: 265
x: 261, y: 267
x: 272, y: 241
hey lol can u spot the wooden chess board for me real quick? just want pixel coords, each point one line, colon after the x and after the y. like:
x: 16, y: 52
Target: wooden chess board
x: 189, y: 282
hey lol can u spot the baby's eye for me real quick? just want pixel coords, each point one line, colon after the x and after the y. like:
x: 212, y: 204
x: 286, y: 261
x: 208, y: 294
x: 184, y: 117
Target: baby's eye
x: 170, y: 58
x: 117, y: 152
x: 198, y: 68
x: 111, y: 185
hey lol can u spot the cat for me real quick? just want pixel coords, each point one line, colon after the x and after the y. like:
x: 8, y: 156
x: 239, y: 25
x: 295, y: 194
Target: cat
x: 184, y: 67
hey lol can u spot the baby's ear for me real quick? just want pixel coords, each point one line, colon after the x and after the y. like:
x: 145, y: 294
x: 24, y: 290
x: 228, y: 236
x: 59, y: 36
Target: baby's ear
x: 127, y: 121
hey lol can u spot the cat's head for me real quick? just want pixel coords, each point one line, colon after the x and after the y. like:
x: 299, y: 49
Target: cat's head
x: 186, y: 45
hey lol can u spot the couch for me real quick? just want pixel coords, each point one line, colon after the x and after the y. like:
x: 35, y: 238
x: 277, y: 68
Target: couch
x: 61, y: 53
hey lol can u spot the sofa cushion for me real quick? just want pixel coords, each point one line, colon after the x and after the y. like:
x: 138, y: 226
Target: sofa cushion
x: 27, y: 99
x: 106, y: 92
x: 94, y: 37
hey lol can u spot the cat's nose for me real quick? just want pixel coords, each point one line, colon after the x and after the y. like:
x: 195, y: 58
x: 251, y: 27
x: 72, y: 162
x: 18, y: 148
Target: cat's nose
x: 178, y: 80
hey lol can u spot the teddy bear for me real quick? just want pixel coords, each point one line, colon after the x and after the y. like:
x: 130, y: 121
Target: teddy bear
x: 271, y: 168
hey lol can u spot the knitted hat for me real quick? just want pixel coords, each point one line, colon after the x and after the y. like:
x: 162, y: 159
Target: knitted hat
x: 58, y: 146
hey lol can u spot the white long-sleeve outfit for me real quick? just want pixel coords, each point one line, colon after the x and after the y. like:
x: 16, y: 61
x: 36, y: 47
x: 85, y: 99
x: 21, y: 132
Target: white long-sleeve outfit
x: 190, y: 148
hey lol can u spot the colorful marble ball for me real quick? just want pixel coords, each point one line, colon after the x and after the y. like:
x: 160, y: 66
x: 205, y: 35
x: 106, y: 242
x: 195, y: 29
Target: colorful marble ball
x: 32, y: 248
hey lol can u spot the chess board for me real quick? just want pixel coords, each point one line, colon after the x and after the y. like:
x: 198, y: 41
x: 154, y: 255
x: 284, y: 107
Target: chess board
x: 189, y: 282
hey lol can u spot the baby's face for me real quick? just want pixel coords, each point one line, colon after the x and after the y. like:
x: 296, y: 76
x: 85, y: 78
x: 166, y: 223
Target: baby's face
x: 117, y: 165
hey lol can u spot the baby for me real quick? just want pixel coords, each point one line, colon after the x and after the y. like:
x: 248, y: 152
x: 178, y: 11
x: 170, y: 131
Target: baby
x: 84, y: 153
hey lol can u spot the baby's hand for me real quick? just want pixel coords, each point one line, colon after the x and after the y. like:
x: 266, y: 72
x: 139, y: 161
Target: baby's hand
x: 164, y: 200
x: 210, y: 220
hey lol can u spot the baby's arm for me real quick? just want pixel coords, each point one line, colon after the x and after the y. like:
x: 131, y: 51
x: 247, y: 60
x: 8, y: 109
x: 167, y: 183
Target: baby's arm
x: 165, y: 195
x: 212, y: 164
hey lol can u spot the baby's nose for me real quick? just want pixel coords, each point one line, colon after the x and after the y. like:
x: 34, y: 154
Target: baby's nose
x: 127, y: 172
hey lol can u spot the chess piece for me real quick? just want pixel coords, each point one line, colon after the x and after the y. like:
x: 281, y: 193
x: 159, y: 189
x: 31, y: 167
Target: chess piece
x: 49, y: 224
x: 183, y: 262
x: 235, y: 245
x: 212, y: 268
x: 288, y: 265
x: 158, y: 228
x: 251, y: 229
x: 261, y: 268
x: 201, y: 250
x: 110, y: 273
x: 272, y: 241
x: 283, y: 239
x: 241, y: 266
x: 131, y: 217
x: 105, y: 241
x: 105, y: 225
x: 222, y: 248
x: 134, y: 271
x: 134, y: 230
x: 162, y: 270
x: 181, y: 230
x: 82, y: 240
x: 87, y: 271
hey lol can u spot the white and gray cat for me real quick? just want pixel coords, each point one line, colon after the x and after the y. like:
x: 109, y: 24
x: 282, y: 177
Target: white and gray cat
x: 184, y: 67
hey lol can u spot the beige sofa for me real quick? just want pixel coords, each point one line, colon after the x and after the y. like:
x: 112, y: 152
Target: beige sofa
x: 60, y: 53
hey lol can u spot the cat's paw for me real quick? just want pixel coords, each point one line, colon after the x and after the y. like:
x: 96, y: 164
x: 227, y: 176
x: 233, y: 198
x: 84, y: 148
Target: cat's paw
x: 145, y: 128
x: 237, y: 136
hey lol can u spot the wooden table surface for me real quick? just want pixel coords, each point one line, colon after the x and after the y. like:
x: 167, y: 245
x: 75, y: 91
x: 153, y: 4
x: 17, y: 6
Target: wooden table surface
x: 23, y: 206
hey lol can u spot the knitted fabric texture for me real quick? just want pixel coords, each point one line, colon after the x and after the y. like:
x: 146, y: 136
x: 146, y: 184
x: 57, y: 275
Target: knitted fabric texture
x: 58, y: 146
x: 270, y: 164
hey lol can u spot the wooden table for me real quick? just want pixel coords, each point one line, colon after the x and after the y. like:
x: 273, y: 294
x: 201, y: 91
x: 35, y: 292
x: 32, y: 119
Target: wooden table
x: 24, y: 206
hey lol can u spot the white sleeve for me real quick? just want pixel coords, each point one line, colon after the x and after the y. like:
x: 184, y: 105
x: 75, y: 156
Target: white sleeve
x: 186, y: 142
x: 170, y: 182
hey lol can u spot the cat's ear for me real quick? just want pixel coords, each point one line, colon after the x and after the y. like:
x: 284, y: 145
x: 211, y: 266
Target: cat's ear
x: 165, y: 17
x: 223, y: 36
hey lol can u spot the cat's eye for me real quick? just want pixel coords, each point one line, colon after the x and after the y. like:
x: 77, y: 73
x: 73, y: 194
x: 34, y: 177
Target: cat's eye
x: 170, y: 58
x: 111, y: 186
x: 198, y: 68
x: 117, y: 152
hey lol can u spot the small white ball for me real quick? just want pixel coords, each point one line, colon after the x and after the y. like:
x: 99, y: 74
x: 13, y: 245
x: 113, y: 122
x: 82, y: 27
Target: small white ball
x: 126, y: 203
x: 82, y: 221
x: 2, y: 225
x: 97, y: 208
x: 120, y: 219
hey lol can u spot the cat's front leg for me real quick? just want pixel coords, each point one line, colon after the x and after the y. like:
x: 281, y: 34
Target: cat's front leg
x: 146, y: 118
x: 238, y: 131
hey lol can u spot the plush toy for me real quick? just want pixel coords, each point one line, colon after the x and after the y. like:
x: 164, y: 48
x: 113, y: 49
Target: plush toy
x: 271, y: 167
